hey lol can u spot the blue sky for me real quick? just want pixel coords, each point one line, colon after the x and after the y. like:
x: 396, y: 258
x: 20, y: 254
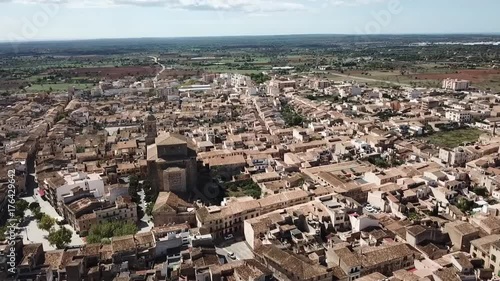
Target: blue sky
x: 85, y: 19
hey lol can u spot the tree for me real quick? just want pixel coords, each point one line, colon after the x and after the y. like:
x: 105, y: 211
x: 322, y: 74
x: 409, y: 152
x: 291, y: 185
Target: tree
x: 133, y: 189
x: 149, y: 208
x: 150, y: 194
x: 46, y: 222
x: 480, y: 191
x: 21, y: 207
x: 37, y: 214
x: 465, y: 205
x: 98, y: 233
x: 414, y: 216
x: 291, y: 117
x: 3, y: 229
x: 34, y: 206
x: 259, y: 78
x: 60, y: 238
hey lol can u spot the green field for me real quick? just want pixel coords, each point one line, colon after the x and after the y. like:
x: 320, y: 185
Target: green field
x: 452, y: 139
x: 58, y: 87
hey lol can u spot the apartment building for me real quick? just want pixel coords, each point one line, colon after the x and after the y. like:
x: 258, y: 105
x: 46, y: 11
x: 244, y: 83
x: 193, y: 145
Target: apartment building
x: 383, y: 259
x: 85, y: 212
x: 494, y: 258
x: 59, y: 184
x: 455, y: 157
x: 455, y: 84
x: 229, y: 218
x: 460, y: 116
x: 487, y: 249
x: 282, y: 84
x: 429, y: 103
x: 287, y: 266
x: 387, y: 259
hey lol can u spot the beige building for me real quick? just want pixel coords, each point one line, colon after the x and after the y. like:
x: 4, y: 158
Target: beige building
x: 387, y: 259
x: 480, y: 248
x: 85, y: 212
x: 169, y: 208
x: 283, y: 84
x: 172, y: 151
x: 461, y: 234
x: 494, y: 263
x: 226, y: 166
x: 229, y: 218
x: 380, y: 178
x: 287, y: 266
x: 174, y: 179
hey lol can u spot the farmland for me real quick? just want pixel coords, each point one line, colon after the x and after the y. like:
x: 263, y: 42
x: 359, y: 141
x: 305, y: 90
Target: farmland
x: 382, y: 60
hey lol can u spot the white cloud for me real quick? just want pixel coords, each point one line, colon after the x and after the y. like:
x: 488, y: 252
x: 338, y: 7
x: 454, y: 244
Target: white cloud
x: 355, y: 2
x: 206, y: 5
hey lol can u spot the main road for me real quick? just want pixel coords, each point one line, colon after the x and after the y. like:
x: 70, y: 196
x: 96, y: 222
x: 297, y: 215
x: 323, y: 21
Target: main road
x: 157, y: 61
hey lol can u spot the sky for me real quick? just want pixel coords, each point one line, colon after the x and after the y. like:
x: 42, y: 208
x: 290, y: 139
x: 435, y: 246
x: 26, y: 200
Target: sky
x: 31, y: 20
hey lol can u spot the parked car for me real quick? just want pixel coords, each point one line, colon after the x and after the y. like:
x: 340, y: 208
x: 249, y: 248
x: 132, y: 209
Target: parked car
x: 231, y: 255
x: 228, y: 237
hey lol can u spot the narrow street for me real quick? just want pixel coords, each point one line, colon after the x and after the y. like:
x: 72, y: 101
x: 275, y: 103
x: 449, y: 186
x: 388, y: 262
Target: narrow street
x: 145, y: 224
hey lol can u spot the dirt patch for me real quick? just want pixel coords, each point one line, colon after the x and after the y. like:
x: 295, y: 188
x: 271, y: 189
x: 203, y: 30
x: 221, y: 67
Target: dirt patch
x: 111, y: 72
x: 12, y: 84
x: 473, y: 75
x: 179, y: 73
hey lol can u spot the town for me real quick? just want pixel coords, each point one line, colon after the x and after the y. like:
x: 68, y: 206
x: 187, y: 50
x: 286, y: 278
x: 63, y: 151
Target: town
x: 288, y: 158
x: 283, y: 175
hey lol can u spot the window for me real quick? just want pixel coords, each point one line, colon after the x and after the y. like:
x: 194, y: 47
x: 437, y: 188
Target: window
x: 493, y: 258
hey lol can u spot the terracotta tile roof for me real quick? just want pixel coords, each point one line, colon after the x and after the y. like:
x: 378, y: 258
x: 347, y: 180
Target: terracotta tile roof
x: 54, y: 259
x: 378, y: 255
x: 123, y: 243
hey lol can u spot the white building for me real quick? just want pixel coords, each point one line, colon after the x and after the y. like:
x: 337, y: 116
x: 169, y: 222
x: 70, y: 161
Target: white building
x: 350, y: 90
x: 459, y: 116
x: 87, y: 182
x: 456, y: 157
x: 413, y: 94
x: 170, y: 237
x: 455, y: 84
x: 360, y: 222
x: 252, y: 91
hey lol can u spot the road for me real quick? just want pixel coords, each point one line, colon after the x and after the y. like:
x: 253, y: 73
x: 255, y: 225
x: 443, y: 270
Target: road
x: 370, y: 79
x: 157, y: 61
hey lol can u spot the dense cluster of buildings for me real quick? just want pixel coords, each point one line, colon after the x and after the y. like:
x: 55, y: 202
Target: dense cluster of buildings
x: 317, y: 179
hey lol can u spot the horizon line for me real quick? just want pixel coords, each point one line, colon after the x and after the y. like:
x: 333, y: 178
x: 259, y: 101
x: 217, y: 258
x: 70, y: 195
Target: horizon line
x: 243, y: 35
